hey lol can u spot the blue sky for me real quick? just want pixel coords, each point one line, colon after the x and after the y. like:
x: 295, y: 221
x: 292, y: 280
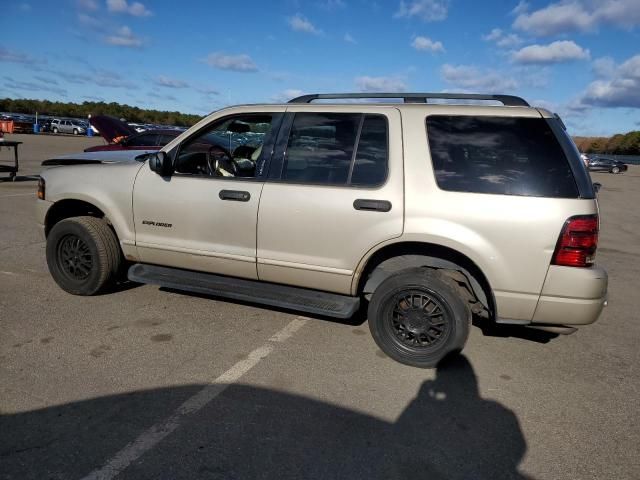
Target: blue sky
x: 580, y: 58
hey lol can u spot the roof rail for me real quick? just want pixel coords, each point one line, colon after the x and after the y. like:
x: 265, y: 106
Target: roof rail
x: 508, y: 100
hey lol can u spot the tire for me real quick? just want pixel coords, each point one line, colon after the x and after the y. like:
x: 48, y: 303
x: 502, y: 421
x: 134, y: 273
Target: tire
x: 615, y: 170
x: 55, y: 130
x: 75, y: 131
x: 83, y: 255
x: 414, y: 338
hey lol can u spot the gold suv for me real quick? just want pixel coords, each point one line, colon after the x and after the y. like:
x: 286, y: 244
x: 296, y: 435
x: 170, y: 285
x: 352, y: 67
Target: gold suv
x: 421, y: 210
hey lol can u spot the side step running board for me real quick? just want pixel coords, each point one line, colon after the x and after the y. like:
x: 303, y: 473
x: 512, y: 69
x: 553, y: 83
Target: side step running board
x: 282, y: 296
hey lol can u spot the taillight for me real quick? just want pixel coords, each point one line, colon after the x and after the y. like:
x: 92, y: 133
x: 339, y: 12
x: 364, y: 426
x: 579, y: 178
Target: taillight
x: 41, y: 188
x: 577, y: 243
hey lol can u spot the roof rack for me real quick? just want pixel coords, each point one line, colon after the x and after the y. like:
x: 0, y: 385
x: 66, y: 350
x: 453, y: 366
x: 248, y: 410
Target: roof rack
x: 508, y: 100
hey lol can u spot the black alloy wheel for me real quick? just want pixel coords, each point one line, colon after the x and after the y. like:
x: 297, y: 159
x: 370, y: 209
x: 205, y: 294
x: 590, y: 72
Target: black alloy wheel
x: 74, y: 257
x: 83, y: 255
x: 418, y: 317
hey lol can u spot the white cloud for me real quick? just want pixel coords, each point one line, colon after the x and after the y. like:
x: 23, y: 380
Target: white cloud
x: 349, y: 39
x: 286, y: 95
x: 163, y: 81
x: 380, y: 84
x: 522, y: 7
x: 13, y: 56
x: 88, y: 20
x: 298, y: 23
x: 622, y: 89
x: 208, y: 90
x: 332, y: 4
x: 90, y: 5
x: 159, y: 96
x: 124, y: 37
x: 426, y: 44
x: 556, y: 52
x: 236, y: 63
x: 603, y: 67
x: 578, y: 15
x: 136, y: 9
x: 503, y: 39
x: 426, y: 10
x: 470, y: 77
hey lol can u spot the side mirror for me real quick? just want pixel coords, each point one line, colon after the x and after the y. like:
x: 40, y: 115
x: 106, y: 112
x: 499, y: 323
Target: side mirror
x: 160, y: 163
x: 597, y: 186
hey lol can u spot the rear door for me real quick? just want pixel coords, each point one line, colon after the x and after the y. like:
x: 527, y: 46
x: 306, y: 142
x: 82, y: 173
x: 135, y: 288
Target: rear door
x: 335, y: 190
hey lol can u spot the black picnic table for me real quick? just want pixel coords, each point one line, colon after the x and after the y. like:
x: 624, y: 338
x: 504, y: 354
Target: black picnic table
x: 11, y: 169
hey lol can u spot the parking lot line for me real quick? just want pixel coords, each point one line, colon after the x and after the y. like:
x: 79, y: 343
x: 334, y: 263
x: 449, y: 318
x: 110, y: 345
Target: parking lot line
x: 152, y: 436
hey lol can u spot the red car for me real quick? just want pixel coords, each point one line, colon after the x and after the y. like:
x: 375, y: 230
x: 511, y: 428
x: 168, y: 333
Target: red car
x: 124, y: 137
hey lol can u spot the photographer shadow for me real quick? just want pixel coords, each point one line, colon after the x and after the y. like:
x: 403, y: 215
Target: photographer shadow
x: 446, y: 432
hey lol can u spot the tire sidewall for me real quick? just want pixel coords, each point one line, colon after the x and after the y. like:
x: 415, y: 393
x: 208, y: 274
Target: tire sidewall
x: 615, y: 170
x: 381, y: 307
x: 87, y: 286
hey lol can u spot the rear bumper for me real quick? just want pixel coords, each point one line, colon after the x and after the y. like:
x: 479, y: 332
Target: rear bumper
x: 572, y: 296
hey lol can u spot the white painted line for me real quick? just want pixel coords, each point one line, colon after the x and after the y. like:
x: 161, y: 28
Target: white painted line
x: 18, y: 195
x: 284, y: 334
x: 154, y: 435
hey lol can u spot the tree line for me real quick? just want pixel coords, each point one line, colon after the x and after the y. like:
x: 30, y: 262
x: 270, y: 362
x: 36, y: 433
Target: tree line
x: 620, y: 144
x: 84, y: 109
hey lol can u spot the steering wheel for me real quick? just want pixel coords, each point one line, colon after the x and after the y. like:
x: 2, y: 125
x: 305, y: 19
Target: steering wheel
x: 220, y: 163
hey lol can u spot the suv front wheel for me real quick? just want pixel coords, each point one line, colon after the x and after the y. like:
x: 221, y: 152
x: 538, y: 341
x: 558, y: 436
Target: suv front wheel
x: 417, y: 317
x: 83, y: 255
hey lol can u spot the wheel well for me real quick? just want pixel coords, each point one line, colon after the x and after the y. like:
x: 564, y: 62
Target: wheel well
x: 398, y: 256
x: 67, y: 209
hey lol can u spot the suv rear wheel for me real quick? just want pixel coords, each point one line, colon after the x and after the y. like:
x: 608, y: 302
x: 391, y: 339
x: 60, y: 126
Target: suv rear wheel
x: 83, y: 255
x: 417, y: 317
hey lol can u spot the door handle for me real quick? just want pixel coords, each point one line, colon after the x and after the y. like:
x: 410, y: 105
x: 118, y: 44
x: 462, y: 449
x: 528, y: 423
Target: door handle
x: 234, y: 195
x: 372, y: 205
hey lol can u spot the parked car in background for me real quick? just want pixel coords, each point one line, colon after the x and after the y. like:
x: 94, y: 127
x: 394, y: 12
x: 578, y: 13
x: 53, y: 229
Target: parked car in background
x: 122, y: 136
x: 68, y: 126
x: 600, y: 164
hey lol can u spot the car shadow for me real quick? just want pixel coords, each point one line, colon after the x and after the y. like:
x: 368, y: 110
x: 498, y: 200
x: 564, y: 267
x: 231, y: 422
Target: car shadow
x: 356, y: 320
x: 492, y: 329
x: 448, y: 431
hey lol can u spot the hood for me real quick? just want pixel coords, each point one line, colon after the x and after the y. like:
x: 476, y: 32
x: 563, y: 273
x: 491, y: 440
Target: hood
x: 112, y: 156
x: 111, y: 129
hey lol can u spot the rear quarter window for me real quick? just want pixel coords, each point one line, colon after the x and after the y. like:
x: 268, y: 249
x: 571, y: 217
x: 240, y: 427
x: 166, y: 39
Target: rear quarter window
x: 499, y: 155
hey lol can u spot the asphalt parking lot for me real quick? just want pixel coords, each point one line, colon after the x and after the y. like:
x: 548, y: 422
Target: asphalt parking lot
x: 148, y: 383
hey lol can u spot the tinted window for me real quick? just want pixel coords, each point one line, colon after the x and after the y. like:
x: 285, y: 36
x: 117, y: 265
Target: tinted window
x: 322, y: 149
x: 164, y: 139
x: 146, y: 140
x: 370, y: 167
x: 500, y: 155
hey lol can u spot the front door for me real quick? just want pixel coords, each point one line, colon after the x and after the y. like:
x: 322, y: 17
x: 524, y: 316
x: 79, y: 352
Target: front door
x: 335, y: 190
x: 203, y: 217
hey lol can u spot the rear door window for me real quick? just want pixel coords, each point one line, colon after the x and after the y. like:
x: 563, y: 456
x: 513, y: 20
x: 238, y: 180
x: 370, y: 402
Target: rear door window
x: 337, y: 149
x: 146, y: 140
x: 499, y: 155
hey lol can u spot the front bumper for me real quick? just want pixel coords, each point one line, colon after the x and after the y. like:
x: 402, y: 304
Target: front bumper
x: 572, y: 296
x: 42, y: 207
